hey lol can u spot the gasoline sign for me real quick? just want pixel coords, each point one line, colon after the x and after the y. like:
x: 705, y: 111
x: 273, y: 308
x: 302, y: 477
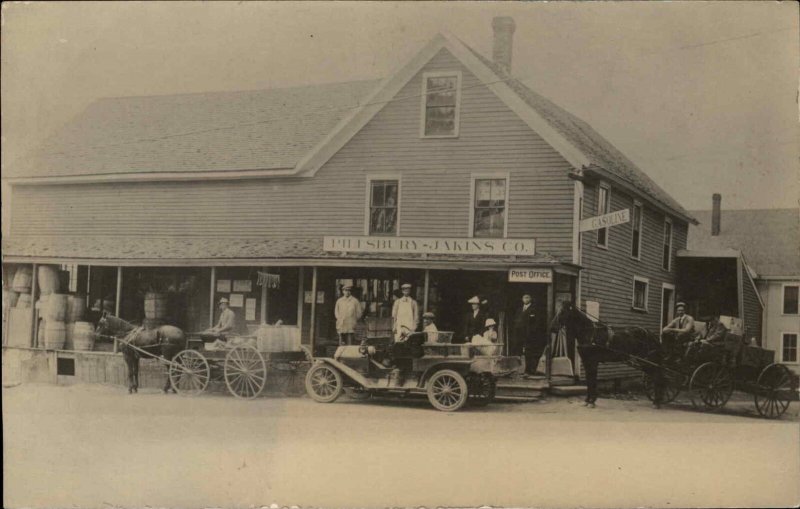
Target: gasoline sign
x: 606, y: 220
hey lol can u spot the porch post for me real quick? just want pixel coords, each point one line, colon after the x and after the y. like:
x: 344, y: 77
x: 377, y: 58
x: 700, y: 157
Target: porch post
x: 34, y: 314
x: 264, y: 299
x: 549, y: 348
x: 88, y: 287
x: 300, y: 303
x: 211, y: 296
x: 427, y: 287
x: 119, y: 298
x: 313, y: 319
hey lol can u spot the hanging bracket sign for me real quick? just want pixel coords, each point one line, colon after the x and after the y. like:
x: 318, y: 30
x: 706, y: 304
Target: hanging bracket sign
x: 612, y: 219
x: 431, y: 245
x: 525, y: 275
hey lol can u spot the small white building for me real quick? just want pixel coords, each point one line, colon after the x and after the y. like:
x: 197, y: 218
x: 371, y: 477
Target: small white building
x: 769, y: 240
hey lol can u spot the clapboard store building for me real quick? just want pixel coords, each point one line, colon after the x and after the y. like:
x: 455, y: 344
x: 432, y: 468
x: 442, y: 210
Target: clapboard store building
x: 448, y: 174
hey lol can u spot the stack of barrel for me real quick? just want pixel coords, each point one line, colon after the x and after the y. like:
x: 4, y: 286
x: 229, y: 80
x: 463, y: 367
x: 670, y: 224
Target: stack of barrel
x: 155, y: 310
x: 20, y: 294
x: 62, y: 327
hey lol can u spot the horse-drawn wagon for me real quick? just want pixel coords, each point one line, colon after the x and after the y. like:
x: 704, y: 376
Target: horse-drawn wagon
x: 449, y: 374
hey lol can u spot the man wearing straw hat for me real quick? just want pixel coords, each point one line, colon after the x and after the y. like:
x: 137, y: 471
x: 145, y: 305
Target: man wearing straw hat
x: 227, y: 319
x: 474, y: 323
x: 405, y: 313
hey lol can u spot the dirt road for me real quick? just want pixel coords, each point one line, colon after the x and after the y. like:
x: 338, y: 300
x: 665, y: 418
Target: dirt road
x: 95, y: 446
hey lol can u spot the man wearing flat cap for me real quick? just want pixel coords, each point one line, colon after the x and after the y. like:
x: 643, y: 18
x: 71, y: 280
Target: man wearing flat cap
x: 405, y: 313
x: 347, y: 312
x: 680, y: 330
x: 429, y: 327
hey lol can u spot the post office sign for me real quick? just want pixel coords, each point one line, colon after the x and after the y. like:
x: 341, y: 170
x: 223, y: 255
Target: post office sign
x: 526, y: 275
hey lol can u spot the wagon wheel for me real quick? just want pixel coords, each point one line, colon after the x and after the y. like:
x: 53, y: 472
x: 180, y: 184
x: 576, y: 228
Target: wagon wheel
x: 672, y: 387
x: 291, y: 385
x: 712, y: 384
x: 189, y: 373
x: 447, y: 390
x: 482, y: 388
x: 324, y: 383
x: 245, y: 372
x: 774, y: 391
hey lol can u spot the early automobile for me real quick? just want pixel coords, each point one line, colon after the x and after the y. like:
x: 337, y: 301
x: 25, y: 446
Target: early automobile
x: 449, y: 374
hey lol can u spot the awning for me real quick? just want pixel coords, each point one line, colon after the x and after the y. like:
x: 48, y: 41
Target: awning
x: 242, y: 251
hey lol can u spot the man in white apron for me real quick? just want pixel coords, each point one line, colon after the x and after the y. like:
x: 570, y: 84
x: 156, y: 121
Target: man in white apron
x: 405, y: 313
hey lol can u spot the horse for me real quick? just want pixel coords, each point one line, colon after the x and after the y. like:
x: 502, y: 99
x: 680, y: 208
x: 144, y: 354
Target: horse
x: 165, y: 341
x: 599, y: 343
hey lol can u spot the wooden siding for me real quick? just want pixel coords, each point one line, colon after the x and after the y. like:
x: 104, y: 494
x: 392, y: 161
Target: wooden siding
x: 752, y: 309
x: 608, y: 273
x: 435, y: 187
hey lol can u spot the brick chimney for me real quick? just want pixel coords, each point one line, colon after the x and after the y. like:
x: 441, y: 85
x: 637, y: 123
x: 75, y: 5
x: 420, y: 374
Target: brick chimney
x: 716, y: 214
x: 503, y: 27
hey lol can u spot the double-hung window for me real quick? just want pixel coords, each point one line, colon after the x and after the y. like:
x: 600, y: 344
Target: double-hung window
x: 489, y: 207
x: 383, y: 195
x: 790, y: 299
x: 440, y: 104
x: 603, y: 207
x: 666, y: 260
x: 641, y: 287
x: 789, y: 347
x: 636, y: 244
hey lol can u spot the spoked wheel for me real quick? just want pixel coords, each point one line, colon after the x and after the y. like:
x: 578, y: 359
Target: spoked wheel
x: 672, y: 386
x: 358, y: 393
x: 189, y: 373
x: 774, y: 391
x: 711, y: 384
x: 447, y: 390
x: 482, y: 388
x: 324, y: 383
x: 245, y: 372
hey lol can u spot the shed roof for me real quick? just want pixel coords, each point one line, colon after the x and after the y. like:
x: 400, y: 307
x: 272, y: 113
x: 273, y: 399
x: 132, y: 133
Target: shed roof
x: 768, y: 238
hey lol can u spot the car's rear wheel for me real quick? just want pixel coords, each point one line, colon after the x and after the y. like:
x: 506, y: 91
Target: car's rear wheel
x: 447, y: 390
x: 324, y: 383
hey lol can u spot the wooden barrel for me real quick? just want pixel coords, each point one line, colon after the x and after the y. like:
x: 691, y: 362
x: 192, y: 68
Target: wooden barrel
x: 57, y: 307
x: 55, y: 335
x: 22, y: 280
x: 24, y: 300
x: 48, y: 279
x: 76, y: 308
x: 69, y: 337
x: 155, y: 305
x: 83, y: 336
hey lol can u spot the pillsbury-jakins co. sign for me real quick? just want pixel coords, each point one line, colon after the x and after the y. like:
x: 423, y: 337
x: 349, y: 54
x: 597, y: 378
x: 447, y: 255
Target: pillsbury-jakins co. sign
x: 431, y: 245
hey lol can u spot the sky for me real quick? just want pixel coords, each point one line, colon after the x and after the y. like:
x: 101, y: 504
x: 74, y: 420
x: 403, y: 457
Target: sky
x: 701, y: 95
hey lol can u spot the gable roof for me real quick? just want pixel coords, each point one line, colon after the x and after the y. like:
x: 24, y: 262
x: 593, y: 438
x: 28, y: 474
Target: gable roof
x: 293, y: 131
x: 215, y: 131
x: 768, y: 238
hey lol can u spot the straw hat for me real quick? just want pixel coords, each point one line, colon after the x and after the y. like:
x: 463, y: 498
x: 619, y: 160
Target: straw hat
x: 489, y: 322
x: 406, y: 285
x: 223, y: 300
x: 474, y: 300
x: 428, y: 314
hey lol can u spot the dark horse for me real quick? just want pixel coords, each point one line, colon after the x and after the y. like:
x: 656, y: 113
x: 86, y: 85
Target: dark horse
x: 165, y: 341
x: 598, y: 343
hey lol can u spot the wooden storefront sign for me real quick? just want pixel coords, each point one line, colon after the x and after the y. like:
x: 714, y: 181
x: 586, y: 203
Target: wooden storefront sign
x: 612, y: 219
x: 431, y: 245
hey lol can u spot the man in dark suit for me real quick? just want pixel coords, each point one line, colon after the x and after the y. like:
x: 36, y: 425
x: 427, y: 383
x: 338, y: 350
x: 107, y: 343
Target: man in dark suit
x: 527, y: 335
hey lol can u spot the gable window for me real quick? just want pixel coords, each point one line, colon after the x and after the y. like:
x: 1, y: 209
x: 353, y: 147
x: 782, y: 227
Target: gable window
x: 790, y: 299
x: 641, y: 287
x: 383, y: 196
x: 603, y: 207
x: 489, y: 207
x: 636, y: 245
x: 789, y: 347
x: 666, y: 260
x: 440, y: 104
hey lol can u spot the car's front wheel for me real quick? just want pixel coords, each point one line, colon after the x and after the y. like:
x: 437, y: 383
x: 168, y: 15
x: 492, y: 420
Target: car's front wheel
x: 324, y: 383
x: 447, y: 390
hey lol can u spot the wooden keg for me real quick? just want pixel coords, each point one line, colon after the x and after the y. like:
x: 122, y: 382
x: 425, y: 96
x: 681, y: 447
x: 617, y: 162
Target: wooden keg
x: 57, y: 307
x: 76, y: 308
x: 155, y: 305
x: 22, y: 280
x: 83, y: 336
x: 55, y: 335
x: 24, y: 300
x: 48, y: 279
